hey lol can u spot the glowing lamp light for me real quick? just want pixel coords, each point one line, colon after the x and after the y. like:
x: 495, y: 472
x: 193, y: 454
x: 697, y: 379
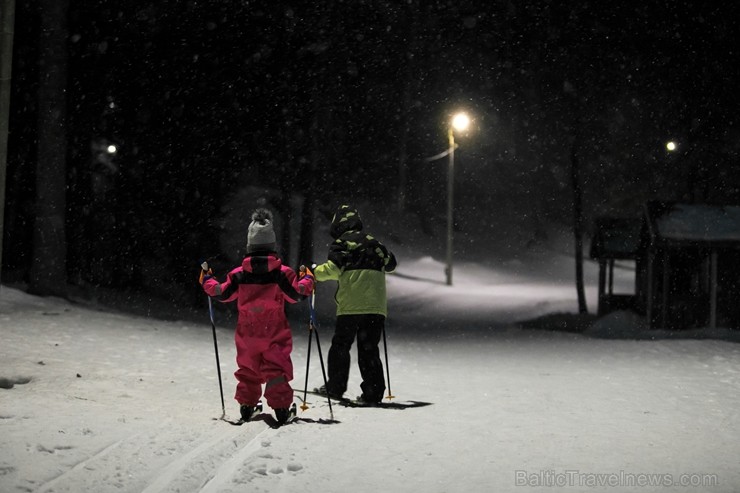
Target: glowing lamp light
x: 670, y: 146
x: 460, y: 122
x: 112, y: 149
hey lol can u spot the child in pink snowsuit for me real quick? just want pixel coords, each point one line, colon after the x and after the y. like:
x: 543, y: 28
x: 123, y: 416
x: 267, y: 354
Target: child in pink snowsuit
x: 261, y: 286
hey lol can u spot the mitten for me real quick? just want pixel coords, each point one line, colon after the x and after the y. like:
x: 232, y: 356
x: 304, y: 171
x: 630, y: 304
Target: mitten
x: 205, y: 273
x: 304, y: 271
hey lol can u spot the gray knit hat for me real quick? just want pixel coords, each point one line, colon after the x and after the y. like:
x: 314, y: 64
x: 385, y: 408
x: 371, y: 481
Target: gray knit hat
x: 261, y: 235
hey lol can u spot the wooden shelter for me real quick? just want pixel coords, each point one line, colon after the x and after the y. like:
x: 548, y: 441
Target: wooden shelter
x: 688, y: 266
x: 614, y: 239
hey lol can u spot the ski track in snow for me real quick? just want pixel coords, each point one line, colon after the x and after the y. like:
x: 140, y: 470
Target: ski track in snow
x: 219, y: 461
x: 238, y: 469
x: 191, y: 470
x: 78, y: 469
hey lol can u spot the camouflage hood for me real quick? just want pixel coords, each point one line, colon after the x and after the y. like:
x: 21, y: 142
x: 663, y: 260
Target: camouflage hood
x: 346, y: 218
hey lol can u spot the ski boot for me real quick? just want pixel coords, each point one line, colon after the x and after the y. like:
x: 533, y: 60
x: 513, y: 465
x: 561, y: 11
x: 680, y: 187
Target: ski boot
x: 323, y: 391
x: 249, y: 412
x: 363, y: 401
x: 285, y: 414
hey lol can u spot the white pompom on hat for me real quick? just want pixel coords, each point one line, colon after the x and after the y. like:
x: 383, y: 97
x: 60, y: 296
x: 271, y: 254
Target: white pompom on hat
x: 261, y: 234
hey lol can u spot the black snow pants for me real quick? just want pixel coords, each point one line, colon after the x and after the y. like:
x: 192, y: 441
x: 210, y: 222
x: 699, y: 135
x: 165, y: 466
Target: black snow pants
x: 367, y: 329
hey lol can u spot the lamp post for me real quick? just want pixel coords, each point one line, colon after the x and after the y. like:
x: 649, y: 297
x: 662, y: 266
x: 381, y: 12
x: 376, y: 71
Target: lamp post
x: 460, y: 123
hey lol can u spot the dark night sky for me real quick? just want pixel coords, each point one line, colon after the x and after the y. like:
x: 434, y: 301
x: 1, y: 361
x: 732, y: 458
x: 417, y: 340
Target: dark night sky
x: 199, y: 95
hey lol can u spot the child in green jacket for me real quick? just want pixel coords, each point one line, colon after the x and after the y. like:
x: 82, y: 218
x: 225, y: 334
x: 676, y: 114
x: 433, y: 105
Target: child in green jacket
x: 358, y: 262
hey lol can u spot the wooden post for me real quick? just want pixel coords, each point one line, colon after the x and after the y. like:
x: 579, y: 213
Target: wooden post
x: 713, y: 289
x: 611, y: 276
x: 664, y: 294
x: 602, y: 283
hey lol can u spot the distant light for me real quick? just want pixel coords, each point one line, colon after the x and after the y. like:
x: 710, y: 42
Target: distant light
x: 111, y: 149
x: 460, y: 122
x: 670, y: 146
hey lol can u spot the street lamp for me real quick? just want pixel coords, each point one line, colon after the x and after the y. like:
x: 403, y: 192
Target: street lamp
x: 460, y: 122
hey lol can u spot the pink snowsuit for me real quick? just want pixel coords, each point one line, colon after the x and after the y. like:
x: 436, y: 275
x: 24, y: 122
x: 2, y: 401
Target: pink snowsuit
x: 261, y: 286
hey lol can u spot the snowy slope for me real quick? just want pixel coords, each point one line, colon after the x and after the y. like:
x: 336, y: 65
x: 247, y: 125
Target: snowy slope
x: 108, y: 402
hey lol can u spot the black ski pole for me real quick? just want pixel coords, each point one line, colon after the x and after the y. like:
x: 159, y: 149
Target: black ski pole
x: 205, y: 268
x: 323, y: 368
x: 304, y: 406
x: 218, y: 362
x: 387, y: 368
x: 315, y: 330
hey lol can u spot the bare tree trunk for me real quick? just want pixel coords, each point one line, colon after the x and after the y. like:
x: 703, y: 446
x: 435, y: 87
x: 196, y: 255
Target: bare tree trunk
x: 406, y: 105
x: 48, y: 268
x: 305, y: 252
x: 305, y: 255
x: 7, y: 21
x: 578, y: 226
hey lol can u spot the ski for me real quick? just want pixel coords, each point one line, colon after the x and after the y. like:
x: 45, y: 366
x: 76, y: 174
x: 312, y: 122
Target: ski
x: 346, y: 402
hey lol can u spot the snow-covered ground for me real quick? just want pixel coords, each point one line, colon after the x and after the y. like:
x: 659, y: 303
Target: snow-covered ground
x: 103, y: 401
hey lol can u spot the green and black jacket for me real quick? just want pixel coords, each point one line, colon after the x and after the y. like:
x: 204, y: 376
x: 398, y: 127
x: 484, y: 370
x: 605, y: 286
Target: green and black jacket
x: 358, y: 262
